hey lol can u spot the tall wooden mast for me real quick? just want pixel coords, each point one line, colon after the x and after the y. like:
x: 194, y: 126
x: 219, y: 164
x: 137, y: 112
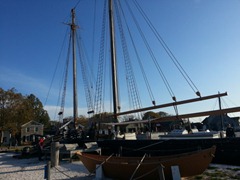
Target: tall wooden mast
x: 116, y: 107
x: 75, y: 99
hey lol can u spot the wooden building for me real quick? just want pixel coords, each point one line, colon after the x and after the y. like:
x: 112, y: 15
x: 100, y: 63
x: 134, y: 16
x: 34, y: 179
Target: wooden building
x: 31, y: 131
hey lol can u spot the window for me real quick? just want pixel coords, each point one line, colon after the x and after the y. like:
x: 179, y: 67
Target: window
x: 36, y: 129
x: 28, y: 129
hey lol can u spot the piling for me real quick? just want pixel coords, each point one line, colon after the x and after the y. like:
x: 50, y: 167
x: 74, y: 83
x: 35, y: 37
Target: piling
x: 54, y: 154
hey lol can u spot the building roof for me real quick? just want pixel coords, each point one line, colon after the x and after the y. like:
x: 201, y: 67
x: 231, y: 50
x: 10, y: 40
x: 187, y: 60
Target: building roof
x: 32, y: 123
x: 216, y: 118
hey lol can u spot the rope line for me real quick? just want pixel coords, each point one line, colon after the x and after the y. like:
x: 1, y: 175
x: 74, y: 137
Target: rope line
x: 134, y: 97
x: 168, y: 50
x: 67, y: 174
x: 165, y: 81
x: 62, y: 172
x: 138, y: 58
x: 56, y: 67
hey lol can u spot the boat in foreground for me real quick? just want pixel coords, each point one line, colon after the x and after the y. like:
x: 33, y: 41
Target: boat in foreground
x: 190, y: 164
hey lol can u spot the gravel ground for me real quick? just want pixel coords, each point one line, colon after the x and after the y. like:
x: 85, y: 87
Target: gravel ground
x: 27, y: 169
x: 218, y: 172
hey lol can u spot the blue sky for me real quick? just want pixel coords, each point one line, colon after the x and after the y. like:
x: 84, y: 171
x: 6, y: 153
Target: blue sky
x: 203, y: 35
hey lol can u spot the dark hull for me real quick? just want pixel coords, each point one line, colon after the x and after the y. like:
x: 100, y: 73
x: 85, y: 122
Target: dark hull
x: 227, y: 152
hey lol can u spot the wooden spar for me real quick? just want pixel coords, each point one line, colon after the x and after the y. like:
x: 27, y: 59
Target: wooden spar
x: 198, y: 114
x: 183, y: 116
x: 173, y: 104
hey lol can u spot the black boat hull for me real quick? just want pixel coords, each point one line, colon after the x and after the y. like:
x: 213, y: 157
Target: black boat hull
x: 227, y: 152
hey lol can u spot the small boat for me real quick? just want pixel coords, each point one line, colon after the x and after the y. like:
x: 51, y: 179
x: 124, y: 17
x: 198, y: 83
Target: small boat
x: 190, y: 164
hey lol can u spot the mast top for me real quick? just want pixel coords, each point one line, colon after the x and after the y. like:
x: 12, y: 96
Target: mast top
x: 73, y: 25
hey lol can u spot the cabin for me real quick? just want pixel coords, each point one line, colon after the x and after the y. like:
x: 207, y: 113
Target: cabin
x: 220, y: 122
x: 167, y: 126
x: 143, y: 126
x: 30, y: 132
x: 7, y: 139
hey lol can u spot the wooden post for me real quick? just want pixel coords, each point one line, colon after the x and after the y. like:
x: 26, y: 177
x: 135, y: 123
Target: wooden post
x: 54, y: 154
x: 47, y: 171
